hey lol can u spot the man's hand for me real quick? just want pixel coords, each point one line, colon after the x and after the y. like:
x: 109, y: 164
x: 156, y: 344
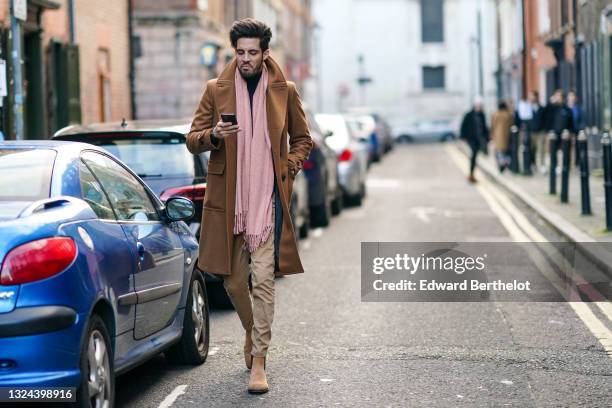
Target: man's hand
x: 225, y: 129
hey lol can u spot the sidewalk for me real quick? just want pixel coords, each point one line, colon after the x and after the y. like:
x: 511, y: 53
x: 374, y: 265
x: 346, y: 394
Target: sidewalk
x: 565, y: 218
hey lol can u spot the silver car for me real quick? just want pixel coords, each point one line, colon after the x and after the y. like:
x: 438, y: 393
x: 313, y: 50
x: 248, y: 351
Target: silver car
x: 352, y: 154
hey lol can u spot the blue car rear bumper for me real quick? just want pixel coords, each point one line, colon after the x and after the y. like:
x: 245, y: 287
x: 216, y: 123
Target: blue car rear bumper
x: 43, y: 349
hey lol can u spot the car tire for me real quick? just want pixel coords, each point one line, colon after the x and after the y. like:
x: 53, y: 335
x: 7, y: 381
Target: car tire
x: 218, y: 296
x: 192, y: 349
x: 303, y: 230
x: 337, y: 204
x: 97, y: 366
x: 321, y: 214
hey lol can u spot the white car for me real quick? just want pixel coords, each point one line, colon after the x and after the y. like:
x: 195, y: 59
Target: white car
x: 425, y: 130
x: 352, y: 154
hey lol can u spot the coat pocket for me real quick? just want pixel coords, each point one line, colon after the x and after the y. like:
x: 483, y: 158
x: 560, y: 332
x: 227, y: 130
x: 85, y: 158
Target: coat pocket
x: 213, y: 242
x: 215, y: 186
x: 216, y: 167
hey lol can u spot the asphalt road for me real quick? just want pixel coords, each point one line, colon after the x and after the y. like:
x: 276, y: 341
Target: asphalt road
x: 331, y: 349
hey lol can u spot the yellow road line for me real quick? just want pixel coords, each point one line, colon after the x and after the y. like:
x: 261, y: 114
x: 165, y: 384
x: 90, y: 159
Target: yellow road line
x: 514, y: 220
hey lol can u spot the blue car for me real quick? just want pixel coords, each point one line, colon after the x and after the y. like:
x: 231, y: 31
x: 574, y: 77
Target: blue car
x: 96, y: 275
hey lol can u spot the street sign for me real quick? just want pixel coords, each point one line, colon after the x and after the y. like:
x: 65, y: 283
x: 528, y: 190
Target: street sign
x: 3, y: 88
x: 20, y: 9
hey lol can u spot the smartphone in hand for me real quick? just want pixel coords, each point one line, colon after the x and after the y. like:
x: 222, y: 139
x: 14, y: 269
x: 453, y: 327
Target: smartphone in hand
x: 229, y: 117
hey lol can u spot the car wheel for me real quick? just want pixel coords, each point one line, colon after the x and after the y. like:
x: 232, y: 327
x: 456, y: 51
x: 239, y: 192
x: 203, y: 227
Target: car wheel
x: 218, y: 295
x: 97, y: 387
x: 321, y: 214
x: 337, y: 204
x: 303, y: 230
x: 356, y: 200
x: 192, y: 349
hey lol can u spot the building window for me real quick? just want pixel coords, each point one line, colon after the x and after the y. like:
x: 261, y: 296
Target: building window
x: 432, y: 21
x: 433, y: 78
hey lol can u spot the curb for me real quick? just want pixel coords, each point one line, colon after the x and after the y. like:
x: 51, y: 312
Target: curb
x: 595, y: 251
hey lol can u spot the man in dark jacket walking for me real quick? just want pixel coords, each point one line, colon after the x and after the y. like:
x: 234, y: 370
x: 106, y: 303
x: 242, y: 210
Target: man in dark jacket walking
x: 475, y: 132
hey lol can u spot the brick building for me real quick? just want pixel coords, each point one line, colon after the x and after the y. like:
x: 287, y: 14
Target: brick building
x: 179, y: 45
x: 76, y: 64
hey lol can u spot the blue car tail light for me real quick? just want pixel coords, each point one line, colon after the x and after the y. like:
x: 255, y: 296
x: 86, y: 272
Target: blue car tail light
x: 37, y: 260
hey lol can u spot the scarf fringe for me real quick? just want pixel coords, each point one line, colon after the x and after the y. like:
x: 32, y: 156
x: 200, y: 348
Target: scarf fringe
x: 251, y: 241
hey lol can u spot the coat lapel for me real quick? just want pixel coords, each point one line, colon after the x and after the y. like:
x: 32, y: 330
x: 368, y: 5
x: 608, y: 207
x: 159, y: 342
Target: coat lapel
x: 276, y: 105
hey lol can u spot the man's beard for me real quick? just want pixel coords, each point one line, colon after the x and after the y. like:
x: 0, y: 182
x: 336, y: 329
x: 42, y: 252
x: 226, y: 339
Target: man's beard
x: 256, y: 71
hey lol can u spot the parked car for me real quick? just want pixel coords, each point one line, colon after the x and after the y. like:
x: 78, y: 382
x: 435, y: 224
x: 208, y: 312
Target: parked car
x: 376, y: 128
x: 425, y: 130
x: 321, y: 168
x: 363, y: 130
x: 298, y: 207
x: 156, y: 151
x: 352, y: 155
x: 97, y: 275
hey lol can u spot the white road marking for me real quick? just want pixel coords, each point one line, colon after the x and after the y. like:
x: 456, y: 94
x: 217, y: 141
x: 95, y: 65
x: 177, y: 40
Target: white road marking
x: 423, y: 213
x: 511, y: 218
x: 383, y: 183
x: 171, y: 398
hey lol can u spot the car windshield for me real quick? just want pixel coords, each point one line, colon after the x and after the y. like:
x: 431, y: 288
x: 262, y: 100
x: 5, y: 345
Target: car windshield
x: 31, y: 167
x: 151, y: 157
x: 336, y: 124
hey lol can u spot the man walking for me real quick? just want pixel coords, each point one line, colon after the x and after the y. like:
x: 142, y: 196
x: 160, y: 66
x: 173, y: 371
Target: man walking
x: 475, y: 132
x: 250, y: 179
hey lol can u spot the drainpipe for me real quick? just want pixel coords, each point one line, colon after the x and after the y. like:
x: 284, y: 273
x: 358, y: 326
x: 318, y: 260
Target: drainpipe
x: 71, y: 25
x: 17, y: 74
x: 130, y: 12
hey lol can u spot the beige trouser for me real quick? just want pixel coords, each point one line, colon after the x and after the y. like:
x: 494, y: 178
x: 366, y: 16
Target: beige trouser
x: 257, y: 314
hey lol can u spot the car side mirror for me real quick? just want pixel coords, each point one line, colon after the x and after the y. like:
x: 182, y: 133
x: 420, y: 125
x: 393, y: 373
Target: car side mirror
x: 179, y: 209
x: 328, y: 134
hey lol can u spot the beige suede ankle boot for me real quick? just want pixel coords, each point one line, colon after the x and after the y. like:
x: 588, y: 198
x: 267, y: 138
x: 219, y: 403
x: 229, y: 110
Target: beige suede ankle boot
x: 258, y: 383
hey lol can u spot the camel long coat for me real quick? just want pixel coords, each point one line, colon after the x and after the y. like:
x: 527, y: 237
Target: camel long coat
x: 291, y: 144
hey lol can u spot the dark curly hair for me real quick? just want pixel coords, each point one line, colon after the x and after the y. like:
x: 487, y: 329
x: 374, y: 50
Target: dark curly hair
x: 251, y: 28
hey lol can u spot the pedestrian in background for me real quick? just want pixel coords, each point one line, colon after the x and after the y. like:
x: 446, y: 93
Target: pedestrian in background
x: 501, y: 122
x: 538, y: 132
x: 528, y: 118
x: 475, y: 132
x: 252, y: 121
x: 557, y: 117
x: 577, y: 112
x: 561, y: 115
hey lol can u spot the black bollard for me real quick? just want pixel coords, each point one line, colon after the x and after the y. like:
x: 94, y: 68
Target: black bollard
x: 514, y: 142
x: 552, y: 176
x: 576, y: 150
x: 607, y: 166
x: 583, y: 160
x: 527, y: 159
x: 566, y: 144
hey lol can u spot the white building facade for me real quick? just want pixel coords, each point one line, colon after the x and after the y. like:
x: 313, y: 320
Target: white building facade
x: 421, y: 56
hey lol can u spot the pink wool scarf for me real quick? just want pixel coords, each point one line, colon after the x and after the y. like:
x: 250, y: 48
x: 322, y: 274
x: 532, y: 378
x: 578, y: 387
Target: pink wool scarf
x: 255, y: 169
